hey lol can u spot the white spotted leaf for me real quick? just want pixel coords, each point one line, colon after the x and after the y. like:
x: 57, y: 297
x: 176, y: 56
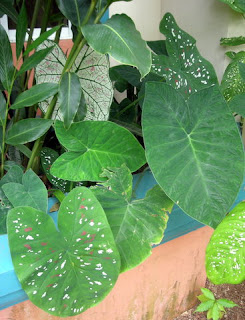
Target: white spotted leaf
x: 183, y: 68
x: 136, y: 224
x: 67, y: 271
x: 91, y: 67
x: 225, y: 253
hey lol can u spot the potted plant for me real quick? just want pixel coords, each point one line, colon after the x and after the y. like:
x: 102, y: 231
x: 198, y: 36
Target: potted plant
x: 102, y: 230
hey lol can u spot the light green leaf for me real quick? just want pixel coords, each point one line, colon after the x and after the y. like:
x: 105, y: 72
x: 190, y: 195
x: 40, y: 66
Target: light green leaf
x: 6, y: 61
x: 32, y: 61
x: 226, y: 303
x: 119, y: 37
x: 68, y: 271
x: 30, y: 192
x: 205, y: 306
x: 92, y: 69
x: 198, y: 163
x: 136, y: 224
x: 208, y: 293
x: 69, y: 97
x: 24, y: 149
x: 22, y: 24
x: 35, y: 94
x: 27, y: 130
x: 184, y: 68
x: 93, y: 146
x: 225, y: 253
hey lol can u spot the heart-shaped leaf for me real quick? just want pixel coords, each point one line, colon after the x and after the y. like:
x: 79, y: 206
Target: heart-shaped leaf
x: 64, y: 272
x: 225, y: 253
x: 119, y: 37
x: 30, y: 192
x: 93, y: 146
x: 92, y: 69
x: 27, y: 130
x: 136, y: 224
x: 184, y: 68
x: 197, y: 159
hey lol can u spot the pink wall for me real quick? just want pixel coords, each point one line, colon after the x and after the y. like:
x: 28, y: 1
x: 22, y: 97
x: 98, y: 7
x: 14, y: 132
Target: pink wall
x: 161, y: 288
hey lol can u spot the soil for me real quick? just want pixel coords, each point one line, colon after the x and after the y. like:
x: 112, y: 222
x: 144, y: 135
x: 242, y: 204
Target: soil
x: 236, y: 293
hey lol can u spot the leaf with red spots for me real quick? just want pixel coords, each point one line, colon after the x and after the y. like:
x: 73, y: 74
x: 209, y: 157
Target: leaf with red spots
x: 183, y: 68
x: 136, y: 224
x: 66, y: 267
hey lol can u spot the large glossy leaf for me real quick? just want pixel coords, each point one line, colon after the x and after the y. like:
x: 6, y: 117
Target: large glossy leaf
x: 119, y: 37
x: 69, y: 97
x: 184, y: 68
x: 27, y: 130
x: 93, y: 146
x: 93, y: 71
x: 194, y: 150
x: 35, y: 94
x: 225, y: 254
x: 237, y: 104
x: 30, y: 192
x: 6, y: 62
x: 136, y: 224
x: 64, y: 272
x: 232, y: 82
x: 22, y: 24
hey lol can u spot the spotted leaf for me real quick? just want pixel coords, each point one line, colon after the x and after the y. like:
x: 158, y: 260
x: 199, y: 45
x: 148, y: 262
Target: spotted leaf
x: 92, y: 69
x: 183, y: 68
x: 225, y: 254
x: 237, y: 5
x: 67, y: 271
x: 93, y: 146
x: 136, y: 224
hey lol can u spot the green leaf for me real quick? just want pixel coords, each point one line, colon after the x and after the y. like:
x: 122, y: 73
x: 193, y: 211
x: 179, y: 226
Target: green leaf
x: 7, y: 8
x: 128, y: 73
x: 234, y: 5
x: 234, y: 41
x: 202, y: 298
x: 24, y: 149
x: 198, y: 161
x: 227, y: 303
x: 27, y: 130
x: 6, y: 61
x: 241, y: 67
x: 44, y: 36
x: 216, y: 313
x: 158, y: 47
x: 32, y: 61
x: 22, y: 24
x: 136, y: 224
x: 237, y: 104
x: 92, y: 69
x: 119, y: 37
x: 3, y: 106
x: 93, y: 146
x: 74, y: 10
x: 184, y: 68
x: 225, y: 255
x: 30, y: 192
x: 208, y: 293
x: 66, y: 272
x: 232, y: 82
x: 69, y: 97
x: 35, y: 94
x: 205, y: 306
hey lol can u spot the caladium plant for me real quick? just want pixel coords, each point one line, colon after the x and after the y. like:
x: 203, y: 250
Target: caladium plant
x: 65, y: 118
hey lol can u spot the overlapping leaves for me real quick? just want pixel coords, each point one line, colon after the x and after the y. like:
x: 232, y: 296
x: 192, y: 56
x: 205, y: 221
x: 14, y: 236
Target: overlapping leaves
x: 136, y: 224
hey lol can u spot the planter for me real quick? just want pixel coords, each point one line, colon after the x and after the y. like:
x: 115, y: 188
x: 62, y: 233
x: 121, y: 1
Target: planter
x: 177, y: 267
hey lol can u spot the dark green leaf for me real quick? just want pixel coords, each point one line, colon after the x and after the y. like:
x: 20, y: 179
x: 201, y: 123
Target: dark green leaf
x: 127, y: 116
x: 198, y: 161
x: 231, y: 54
x: 128, y: 73
x: 234, y: 41
x: 136, y: 224
x: 158, y: 47
x: 69, y: 97
x: 44, y: 36
x: 6, y: 62
x: 234, y: 4
x: 35, y: 94
x: 93, y: 146
x: 241, y: 67
x: 6, y: 7
x: 27, y: 130
x: 227, y: 303
x: 119, y: 37
x: 30, y: 192
x: 32, y: 61
x: 64, y: 272
x: 237, y: 104
x: 3, y: 109
x: 22, y: 24
x: 225, y: 256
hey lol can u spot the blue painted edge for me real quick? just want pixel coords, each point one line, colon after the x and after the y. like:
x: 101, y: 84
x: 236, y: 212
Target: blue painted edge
x: 179, y: 224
